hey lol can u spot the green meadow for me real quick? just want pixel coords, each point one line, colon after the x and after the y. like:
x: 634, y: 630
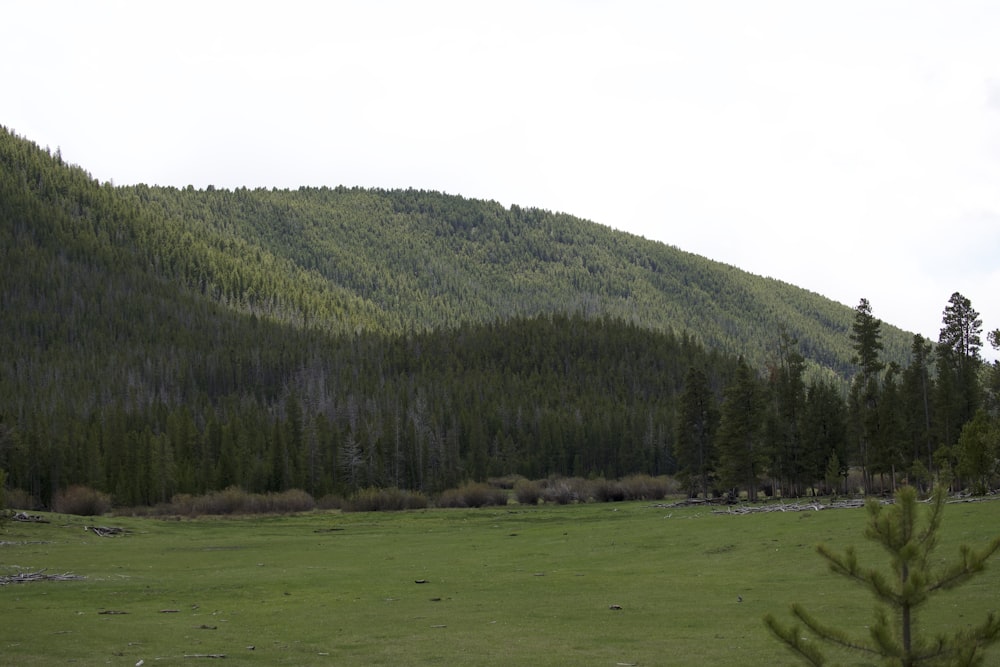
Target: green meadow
x: 502, y: 586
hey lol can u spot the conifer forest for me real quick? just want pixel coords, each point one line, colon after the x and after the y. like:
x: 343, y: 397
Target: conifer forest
x: 157, y: 341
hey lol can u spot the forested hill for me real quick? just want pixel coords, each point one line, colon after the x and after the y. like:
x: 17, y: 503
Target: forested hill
x: 402, y: 260
x: 371, y: 260
x: 131, y: 312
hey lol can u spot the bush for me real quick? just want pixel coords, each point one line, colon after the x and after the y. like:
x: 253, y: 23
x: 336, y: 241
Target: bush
x: 232, y: 500
x: 292, y: 500
x: 473, y: 494
x: 644, y: 487
x: 82, y: 501
x: 527, y: 492
x: 608, y: 491
x: 385, y: 500
x: 566, y: 490
x: 18, y: 499
x: 330, y: 501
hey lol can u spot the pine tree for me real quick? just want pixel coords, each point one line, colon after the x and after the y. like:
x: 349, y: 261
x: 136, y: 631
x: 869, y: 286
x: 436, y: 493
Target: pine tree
x: 917, y: 389
x: 790, y: 462
x: 741, y: 449
x: 959, y: 345
x: 866, y: 336
x: 914, y: 576
x: 962, y: 328
x: 994, y: 338
x: 978, y: 451
x: 4, y: 514
x: 697, y: 422
x: 824, y: 432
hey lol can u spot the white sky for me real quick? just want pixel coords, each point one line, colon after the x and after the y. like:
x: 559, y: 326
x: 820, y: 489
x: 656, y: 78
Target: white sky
x: 851, y: 148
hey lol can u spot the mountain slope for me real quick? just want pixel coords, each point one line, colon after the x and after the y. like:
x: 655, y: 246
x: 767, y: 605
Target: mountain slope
x: 351, y: 260
x: 426, y: 260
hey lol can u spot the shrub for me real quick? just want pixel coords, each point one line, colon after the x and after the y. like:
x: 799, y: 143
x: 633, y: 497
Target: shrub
x: 18, y: 499
x: 473, y: 494
x: 82, y: 501
x: 644, y: 487
x: 384, y: 500
x: 286, y: 502
x: 608, y: 491
x: 566, y: 490
x: 180, y: 503
x: 527, y: 492
x: 330, y: 501
x: 233, y: 500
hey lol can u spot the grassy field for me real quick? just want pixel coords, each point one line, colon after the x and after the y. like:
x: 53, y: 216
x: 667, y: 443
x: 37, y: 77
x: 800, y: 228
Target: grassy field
x: 512, y: 586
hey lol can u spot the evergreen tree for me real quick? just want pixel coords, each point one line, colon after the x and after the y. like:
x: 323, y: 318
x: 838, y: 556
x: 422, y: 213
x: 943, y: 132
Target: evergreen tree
x: 3, y: 496
x: 887, y: 448
x: 742, y: 460
x: 962, y: 329
x: 825, y: 432
x: 696, y: 424
x: 866, y: 337
x: 914, y: 577
x: 834, y: 473
x: 917, y: 398
x: 959, y: 345
x: 979, y: 452
x: 790, y: 462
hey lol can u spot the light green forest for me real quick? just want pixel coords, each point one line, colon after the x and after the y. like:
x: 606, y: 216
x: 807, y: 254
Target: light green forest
x: 159, y: 341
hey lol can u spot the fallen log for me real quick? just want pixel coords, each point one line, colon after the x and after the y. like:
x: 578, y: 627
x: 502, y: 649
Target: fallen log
x: 40, y: 575
x: 792, y: 507
x: 28, y: 518
x: 106, y: 531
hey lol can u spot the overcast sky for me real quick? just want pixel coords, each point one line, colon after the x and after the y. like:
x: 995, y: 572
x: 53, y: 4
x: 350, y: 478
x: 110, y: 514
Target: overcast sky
x: 850, y: 148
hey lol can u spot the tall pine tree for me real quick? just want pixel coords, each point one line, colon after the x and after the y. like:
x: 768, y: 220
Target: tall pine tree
x: 696, y: 425
x: 742, y: 459
x: 866, y: 338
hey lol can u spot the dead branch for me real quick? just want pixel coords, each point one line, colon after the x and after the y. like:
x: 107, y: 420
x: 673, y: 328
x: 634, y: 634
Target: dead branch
x: 792, y: 507
x: 106, y: 531
x: 40, y: 575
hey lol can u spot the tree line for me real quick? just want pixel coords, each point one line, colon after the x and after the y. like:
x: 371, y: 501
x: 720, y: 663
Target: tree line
x: 553, y: 395
x: 936, y: 418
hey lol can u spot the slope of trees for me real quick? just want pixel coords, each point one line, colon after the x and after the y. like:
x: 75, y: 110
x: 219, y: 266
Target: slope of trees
x: 161, y: 341
x: 350, y: 260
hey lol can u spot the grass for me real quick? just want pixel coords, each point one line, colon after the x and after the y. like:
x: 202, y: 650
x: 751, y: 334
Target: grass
x: 503, y: 586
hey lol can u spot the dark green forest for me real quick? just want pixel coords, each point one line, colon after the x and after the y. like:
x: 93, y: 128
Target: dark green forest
x: 158, y: 341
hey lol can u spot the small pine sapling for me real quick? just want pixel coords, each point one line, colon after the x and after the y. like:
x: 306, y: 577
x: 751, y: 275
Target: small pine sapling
x: 909, y: 584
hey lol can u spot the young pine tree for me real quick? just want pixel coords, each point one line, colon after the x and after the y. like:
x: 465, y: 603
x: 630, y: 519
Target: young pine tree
x: 914, y: 576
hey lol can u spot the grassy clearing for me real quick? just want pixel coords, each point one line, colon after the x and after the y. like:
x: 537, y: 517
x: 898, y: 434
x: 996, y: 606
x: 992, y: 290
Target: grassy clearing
x: 516, y: 585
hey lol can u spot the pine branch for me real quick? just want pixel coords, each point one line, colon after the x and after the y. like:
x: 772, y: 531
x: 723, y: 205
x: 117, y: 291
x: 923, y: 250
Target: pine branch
x: 972, y: 562
x: 827, y: 634
x: 795, y: 642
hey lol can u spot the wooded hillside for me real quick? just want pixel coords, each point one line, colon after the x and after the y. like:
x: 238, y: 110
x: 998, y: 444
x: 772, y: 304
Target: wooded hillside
x: 331, y: 338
